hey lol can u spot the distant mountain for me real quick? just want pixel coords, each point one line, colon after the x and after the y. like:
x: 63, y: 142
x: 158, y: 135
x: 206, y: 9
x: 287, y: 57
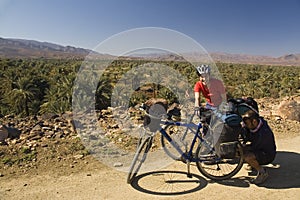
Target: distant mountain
x: 290, y: 59
x: 20, y: 48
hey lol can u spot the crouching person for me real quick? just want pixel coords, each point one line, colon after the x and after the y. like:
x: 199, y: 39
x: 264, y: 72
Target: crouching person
x: 262, y: 147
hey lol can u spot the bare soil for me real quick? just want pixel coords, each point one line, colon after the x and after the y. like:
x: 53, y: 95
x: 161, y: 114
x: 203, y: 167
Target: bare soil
x: 89, y: 179
x: 61, y: 168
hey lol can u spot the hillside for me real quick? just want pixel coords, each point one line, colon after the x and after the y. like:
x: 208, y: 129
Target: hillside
x: 20, y: 48
x: 290, y: 59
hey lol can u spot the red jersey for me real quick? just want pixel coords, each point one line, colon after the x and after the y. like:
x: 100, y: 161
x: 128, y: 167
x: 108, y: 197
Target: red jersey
x: 212, y: 94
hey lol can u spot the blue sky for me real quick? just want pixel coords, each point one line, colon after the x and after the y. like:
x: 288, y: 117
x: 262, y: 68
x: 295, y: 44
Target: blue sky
x: 257, y: 27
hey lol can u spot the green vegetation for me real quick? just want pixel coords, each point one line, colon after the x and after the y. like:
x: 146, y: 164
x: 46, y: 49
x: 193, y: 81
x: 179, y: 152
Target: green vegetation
x: 37, y: 86
x: 260, y: 80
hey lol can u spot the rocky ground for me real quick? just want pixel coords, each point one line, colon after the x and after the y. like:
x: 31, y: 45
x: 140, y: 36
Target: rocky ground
x: 48, y: 144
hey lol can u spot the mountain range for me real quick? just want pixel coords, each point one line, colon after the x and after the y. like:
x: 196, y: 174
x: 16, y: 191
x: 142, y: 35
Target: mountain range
x: 21, y: 48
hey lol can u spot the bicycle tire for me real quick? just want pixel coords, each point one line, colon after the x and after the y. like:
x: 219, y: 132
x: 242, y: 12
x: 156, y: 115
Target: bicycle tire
x: 221, y: 169
x: 139, y: 158
x: 177, y: 134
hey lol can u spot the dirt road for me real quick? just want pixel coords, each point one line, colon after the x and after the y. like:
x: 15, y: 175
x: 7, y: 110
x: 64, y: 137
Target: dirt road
x: 106, y: 183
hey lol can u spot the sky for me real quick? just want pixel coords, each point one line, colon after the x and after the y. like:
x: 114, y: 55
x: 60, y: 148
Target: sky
x: 256, y: 27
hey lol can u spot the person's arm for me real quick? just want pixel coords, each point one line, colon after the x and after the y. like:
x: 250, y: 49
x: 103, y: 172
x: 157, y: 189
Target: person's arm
x: 197, y: 99
x: 224, y: 98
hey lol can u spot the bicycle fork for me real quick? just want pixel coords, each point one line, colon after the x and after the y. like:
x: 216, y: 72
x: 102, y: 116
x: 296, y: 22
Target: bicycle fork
x: 188, y: 162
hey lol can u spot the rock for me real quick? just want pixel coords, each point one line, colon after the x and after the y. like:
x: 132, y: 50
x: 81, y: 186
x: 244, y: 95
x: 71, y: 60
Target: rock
x: 78, y: 156
x: 115, y: 126
x: 278, y: 118
x: 44, y: 145
x: 38, y: 137
x: 59, y: 135
x: 36, y: 128
x: 289, y: 109
x: 118, y: 164
x: 3, y: 133
x: 13, y: 132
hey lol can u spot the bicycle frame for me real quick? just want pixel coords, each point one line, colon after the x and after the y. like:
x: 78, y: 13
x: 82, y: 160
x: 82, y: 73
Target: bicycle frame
x: 197, y: 135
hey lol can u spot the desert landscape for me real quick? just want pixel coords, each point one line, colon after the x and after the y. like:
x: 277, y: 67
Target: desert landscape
x: 56, y: 165
x: 48, y: 159
x: 75, y: 74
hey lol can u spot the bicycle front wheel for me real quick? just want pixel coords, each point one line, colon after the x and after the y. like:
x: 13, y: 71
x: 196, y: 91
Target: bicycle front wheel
x: 221, y: 169
x: 139, y: 158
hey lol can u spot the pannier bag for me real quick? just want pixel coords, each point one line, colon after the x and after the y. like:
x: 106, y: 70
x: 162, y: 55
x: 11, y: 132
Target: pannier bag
x: 242, y: 105
x: 226, y: 144
x: 228, y: 150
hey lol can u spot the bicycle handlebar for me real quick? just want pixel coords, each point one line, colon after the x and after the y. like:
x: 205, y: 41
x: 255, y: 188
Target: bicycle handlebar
x: 144, y: 107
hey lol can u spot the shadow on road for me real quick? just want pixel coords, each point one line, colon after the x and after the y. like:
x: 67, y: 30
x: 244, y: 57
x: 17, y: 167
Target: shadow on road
x: 168, y: 183
x: 284, y: 173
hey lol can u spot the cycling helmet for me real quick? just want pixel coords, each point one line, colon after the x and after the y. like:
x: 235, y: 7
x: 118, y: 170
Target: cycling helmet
x: 203, y: 69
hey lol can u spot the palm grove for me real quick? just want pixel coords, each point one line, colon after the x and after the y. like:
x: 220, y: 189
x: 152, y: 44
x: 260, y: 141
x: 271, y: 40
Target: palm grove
x: 37, y: 86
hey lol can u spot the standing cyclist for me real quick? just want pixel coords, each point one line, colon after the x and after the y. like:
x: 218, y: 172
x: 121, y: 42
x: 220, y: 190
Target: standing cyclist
x: 212, y: 89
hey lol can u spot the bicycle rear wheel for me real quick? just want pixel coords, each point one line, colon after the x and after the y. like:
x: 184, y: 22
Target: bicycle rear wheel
x: 181, y: 136
x: 139, y: 158
x: 221, y: 169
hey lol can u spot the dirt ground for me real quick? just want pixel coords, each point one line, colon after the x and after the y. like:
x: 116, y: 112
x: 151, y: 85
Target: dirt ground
x: 93, y: 180
x: 59, y: 167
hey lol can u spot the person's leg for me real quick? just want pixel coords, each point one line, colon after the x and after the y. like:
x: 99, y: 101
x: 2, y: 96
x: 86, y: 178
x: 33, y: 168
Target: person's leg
x: 250, y: 158
x: 262, y: 175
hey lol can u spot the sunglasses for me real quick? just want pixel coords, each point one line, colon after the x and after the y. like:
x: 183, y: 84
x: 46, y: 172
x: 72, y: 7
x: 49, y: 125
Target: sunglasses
x: 204, y: 75
x: 246, y: 118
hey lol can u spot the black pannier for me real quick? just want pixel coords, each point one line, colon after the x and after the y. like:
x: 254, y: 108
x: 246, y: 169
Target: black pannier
x: 241, y: 105
x: 228, y: 149
x: 227, y: 142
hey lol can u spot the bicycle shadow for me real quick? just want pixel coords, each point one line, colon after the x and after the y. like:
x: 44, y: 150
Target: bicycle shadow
x: 168, y: 183
x: 284, y: 173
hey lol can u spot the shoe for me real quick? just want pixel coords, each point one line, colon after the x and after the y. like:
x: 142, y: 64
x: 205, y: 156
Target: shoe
x: 261, y: 177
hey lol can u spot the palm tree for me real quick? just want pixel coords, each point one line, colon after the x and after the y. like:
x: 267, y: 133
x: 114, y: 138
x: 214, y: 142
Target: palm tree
x: 240, y: 90
x: 103, y: 93
x: 58, y: 97
x: 21, y: 95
